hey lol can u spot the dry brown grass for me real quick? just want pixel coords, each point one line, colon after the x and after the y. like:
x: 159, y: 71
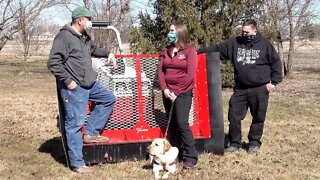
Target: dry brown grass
x: 30, y: 146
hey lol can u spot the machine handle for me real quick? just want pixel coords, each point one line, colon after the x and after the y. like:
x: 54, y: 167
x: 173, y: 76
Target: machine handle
x: 106, y: 25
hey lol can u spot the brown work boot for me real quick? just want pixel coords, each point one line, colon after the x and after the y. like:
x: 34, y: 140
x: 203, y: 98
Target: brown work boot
x: 83, y: 170
x: 95, y: 139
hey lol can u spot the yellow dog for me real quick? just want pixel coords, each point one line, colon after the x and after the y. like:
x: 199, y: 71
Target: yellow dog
x: 162, y: 157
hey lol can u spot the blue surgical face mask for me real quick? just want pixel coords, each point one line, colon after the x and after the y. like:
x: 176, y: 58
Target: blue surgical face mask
x: 172, y: 37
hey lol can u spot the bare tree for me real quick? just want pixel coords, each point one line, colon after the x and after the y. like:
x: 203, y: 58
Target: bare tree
x: 297, y: 12
x: 117, y: 12
x: 31, y: 38
x: 10, y: 15
x: 274, y: 28
x: 26, y: 21
x: 287, y: 17
x: 86, y: 3
x: 8, y: 26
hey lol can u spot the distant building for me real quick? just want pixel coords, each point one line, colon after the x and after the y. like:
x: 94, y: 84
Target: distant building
x: 43, y: 37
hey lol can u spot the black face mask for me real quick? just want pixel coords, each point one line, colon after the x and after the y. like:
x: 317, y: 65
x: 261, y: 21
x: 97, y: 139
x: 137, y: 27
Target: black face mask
x: 248, y: 38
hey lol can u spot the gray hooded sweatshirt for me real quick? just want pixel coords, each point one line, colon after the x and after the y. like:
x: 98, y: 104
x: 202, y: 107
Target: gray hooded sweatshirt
x: 70, y: 57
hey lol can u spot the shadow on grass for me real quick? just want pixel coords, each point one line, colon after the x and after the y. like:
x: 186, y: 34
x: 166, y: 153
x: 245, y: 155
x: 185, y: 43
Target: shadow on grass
x: 226, y: 140
x: 309, y: 69
x: 54, y: 147
x: 147, y: 166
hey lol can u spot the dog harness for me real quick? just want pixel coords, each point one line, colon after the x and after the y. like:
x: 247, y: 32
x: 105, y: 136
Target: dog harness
x: 163, y: 164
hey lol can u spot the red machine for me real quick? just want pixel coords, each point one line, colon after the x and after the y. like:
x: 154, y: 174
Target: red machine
x: 138, y: 115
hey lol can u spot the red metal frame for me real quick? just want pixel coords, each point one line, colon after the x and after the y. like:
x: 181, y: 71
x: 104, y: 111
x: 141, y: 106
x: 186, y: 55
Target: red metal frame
x: 142, y: 132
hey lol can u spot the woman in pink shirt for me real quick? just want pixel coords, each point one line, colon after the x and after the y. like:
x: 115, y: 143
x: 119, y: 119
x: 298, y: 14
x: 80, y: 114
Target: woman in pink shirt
x: 176, y: 72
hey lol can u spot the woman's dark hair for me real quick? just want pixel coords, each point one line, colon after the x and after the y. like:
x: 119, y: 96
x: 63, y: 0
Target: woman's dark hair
x: 182, y: 34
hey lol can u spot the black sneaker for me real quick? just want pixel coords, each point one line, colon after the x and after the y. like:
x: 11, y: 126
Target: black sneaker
x: 253, y: 149
x: 189, y: 164
x: 231, y: 149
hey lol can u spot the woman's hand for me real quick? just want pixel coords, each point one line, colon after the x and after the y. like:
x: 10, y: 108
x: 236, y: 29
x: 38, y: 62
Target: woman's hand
x: 173, y: 96
x: 169, y: 95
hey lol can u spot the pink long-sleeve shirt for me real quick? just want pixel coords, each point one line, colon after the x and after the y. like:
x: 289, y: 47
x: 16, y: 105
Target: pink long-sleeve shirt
x: 177, y: 73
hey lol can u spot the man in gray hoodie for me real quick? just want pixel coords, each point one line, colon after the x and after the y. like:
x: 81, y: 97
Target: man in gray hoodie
x: 70, y: 62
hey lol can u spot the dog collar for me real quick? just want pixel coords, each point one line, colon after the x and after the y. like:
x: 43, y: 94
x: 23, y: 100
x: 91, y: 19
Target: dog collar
x: 163, y: 164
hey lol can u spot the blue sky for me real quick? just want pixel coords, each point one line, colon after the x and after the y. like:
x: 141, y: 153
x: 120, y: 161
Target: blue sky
x: 61, y: 15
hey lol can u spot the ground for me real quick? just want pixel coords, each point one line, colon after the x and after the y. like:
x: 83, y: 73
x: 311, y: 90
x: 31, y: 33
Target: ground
x: 31, y: 147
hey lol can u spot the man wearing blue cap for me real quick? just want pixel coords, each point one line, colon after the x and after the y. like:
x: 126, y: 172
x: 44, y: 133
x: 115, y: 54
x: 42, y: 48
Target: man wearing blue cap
x: 70, y: 61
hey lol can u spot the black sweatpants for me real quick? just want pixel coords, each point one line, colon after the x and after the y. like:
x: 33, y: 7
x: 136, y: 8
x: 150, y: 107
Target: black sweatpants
x: 179, y: 132
x: 257, y: 100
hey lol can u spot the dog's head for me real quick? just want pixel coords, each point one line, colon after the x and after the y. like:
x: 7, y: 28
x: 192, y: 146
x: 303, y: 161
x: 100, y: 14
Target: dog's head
x: 159, y: 146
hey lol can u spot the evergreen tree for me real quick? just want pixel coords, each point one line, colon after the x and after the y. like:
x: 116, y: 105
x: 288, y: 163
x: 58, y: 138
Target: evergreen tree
x: 155, y: 30
x: 142, y: 37
x: 207, y: 21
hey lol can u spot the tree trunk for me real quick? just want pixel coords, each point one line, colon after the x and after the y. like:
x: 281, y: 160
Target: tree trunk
x: 290, y: 58
x: 86, y: 3
x: 279, y: 43
x: 2, y: 43
x: 291, y: 40
x: 25, y: 57
x: 281, y: 56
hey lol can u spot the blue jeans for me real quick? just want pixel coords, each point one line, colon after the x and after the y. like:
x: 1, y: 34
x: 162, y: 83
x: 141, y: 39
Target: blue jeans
x: 75, y: 109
